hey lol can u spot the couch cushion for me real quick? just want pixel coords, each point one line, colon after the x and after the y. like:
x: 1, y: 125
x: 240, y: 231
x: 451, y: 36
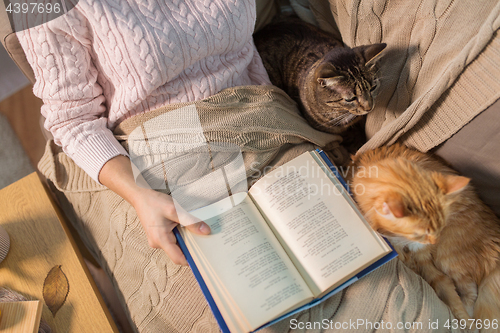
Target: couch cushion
x: 266, y: 10
x: 11, y: 44
x: 16, y: 52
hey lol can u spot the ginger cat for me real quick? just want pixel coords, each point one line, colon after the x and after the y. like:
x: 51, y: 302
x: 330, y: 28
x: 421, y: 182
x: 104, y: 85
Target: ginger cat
x: 437, y: 224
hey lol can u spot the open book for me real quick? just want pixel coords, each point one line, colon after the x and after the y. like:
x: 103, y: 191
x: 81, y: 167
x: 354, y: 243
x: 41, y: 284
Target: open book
x: 294, y: 239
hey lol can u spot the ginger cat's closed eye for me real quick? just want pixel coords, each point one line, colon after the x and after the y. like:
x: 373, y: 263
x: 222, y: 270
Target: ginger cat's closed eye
x: 436, y: 223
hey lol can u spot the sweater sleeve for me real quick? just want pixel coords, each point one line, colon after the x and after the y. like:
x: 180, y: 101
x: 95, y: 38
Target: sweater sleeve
x: 66, y: 80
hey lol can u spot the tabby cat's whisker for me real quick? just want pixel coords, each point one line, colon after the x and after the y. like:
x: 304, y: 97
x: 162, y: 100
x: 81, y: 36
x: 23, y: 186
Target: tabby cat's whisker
x: 344, y: 119
x: 329, y: 112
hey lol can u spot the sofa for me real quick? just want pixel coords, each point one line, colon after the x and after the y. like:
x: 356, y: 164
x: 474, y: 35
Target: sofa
x: 439, y: 74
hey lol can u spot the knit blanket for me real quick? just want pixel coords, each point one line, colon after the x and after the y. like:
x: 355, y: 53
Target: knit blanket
x: 266, y: 128
x: 439, y: 70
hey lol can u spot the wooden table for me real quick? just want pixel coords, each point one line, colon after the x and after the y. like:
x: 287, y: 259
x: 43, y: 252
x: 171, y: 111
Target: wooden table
x: 40, y: 240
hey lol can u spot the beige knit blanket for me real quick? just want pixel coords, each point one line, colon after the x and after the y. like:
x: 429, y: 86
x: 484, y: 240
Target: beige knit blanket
x: 440, y: 68
x: 159, y: 296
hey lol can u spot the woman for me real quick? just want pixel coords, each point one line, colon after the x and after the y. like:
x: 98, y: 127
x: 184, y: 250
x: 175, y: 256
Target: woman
x: 104, y: 62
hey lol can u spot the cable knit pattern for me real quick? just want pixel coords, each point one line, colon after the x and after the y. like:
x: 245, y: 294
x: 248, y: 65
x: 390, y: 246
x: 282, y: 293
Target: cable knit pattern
x: 107, y: 60
x: 163, y: 297
x: 440, y: 68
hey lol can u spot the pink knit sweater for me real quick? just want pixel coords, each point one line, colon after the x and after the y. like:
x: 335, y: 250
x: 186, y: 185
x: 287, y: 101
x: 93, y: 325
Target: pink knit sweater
x: 107, y: 60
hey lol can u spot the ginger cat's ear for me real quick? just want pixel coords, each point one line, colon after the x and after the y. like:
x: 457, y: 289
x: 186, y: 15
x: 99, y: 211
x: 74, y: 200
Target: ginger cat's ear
x: 392, y: 209
x: 455, y: 183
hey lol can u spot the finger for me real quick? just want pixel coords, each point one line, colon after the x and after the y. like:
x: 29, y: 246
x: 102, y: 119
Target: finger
x: 191, y: 222
x: 169, y: 245
x: 200, y: 228
x: 175, y: 254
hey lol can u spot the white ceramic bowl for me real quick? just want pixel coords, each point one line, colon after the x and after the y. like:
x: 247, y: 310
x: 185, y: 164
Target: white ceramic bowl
x: 4, y: 243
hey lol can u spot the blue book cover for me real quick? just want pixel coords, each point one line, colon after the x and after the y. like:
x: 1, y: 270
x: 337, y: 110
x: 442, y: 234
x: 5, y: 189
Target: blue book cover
x: 213, y: 306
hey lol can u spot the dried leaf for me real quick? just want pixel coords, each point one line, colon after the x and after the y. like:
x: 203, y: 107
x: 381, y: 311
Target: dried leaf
x: 55, y: 289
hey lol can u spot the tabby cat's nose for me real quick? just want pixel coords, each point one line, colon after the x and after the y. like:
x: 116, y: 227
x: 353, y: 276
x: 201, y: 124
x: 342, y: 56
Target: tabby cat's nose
x: 366, y: 104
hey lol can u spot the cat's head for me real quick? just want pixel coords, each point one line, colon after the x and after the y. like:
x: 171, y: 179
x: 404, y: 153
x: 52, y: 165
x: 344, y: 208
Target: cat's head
x: 344, y: 85
x: 403, y: 200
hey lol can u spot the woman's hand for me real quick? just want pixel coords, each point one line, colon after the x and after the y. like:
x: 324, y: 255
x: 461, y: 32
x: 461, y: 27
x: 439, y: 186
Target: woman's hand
x: 156, y: 211
x: 159, y: 216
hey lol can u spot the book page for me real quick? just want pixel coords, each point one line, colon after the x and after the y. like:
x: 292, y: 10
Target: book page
x: 252, y: 271
x: 319, y: 226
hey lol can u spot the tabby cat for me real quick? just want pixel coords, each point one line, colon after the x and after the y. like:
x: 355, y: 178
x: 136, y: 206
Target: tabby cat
x: 437, y: 224
x: 333, y: 85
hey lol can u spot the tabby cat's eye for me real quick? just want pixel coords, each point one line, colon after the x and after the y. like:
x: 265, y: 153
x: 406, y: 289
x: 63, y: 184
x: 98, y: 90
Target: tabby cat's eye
x: 352, y: 99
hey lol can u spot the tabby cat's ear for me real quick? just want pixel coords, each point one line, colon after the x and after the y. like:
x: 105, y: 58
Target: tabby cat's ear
x: 455, y: 183
x: 328, y: 76
x: 330, y: 81
x: 369, y: 52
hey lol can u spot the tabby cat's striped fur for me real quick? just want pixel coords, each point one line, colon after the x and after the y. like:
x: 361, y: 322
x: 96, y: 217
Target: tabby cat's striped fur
x: 333, y: 85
